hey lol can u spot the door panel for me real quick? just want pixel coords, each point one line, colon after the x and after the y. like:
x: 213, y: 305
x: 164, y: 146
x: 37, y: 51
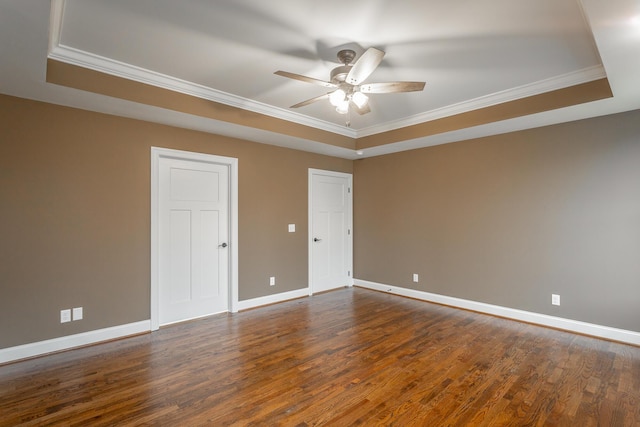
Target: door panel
x: 338, y: 234
x: 194, y: 185
x: 210, y: 270
x: 330, y: 247
x: 321, y: 246
x: 178, y: 286
x: 193, y: 225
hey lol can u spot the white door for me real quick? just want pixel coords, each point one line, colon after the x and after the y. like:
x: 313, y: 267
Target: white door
x: 193, y: 239
x: 330, y: 233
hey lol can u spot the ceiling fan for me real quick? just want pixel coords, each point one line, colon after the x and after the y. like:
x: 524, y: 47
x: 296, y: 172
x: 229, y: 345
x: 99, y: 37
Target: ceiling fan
x: 347, y: 80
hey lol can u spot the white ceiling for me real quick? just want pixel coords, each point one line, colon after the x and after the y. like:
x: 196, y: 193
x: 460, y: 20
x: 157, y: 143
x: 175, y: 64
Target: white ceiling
x: 470, y: 53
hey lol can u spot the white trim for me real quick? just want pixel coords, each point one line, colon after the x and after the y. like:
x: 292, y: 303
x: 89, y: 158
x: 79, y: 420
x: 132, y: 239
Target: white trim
x: 349, y: 254
x: 234, y: 211
x: 40, y: 348
x: 272, y: 299
x: 112, y: 67
x: 55, y: 23
x: 232, y: 163
x: 554, y: 83
x: 599, y: 331
x: 309, y: 233
x: 70, y: 55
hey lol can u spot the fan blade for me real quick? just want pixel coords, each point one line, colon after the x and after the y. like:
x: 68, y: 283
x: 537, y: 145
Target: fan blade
x: 304, y: 79
x: 364, y: 110
x: 364, y: 66
x: 310, y: 101
x: 392, y: 87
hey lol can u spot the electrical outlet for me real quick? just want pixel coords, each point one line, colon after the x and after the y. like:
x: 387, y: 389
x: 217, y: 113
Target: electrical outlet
x: 77, y: 313
x: 555, y: 299
x: 272, y: 281
x: 292, y: 228
x: 415, y: 277
x: 65, y: 316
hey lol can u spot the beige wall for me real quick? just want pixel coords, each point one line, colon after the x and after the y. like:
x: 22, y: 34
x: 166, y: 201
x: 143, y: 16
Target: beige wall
x: 505, y: 220
x: 75, y: 216
x: 511, y: 219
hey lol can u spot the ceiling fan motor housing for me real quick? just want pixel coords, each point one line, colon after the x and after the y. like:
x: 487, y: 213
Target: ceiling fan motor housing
x: 346, y: 56
x: 339, y: 74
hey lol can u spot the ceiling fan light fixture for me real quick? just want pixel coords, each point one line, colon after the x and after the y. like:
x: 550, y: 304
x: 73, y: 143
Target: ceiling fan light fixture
x: 360, y: 99
x: 343, y: 107
x: 338, y: 97
x: 347, y: 82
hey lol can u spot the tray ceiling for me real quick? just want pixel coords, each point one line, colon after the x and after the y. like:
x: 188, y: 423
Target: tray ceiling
x: 474, y: 56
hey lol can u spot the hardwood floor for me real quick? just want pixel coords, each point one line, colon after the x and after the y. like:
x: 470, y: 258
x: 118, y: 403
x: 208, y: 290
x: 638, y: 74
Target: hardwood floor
x: 347, y: 357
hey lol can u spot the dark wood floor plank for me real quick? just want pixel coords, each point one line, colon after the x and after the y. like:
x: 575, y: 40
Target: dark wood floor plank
x: 347, y: 357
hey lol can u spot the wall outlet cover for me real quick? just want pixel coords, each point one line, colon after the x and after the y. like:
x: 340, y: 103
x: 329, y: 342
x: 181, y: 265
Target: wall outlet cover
x: 415, y: 277
x: 292, y: 228
x: 65, y: 316
x: 77, y: 313
x: 555, y: 299
x: 272, y: 281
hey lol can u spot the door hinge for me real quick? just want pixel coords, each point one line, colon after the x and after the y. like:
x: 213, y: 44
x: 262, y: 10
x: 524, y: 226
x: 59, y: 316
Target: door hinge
x: 348, y: 189
x: 349, y: 232
x: 349, y: 273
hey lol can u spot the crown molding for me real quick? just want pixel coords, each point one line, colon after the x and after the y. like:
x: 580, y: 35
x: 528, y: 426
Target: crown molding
x: 70, y: 55
x: 554, y: 83
x: 112, y: 67
x: 55, y: 23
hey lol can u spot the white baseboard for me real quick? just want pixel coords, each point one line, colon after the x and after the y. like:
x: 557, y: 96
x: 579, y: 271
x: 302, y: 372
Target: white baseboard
x: 25, y: 351
x: 606, y: 332
x: 65, y: 343
x: 272, y: 299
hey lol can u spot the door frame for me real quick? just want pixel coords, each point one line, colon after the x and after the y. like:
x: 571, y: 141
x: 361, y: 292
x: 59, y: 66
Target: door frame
x: 232, y: 163
x: 349, y: 251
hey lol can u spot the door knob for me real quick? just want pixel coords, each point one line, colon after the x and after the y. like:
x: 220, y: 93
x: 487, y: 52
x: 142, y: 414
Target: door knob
x: 315, y: 239
x: 224, y: 245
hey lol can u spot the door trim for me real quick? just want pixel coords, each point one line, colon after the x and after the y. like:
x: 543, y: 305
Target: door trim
x: 349, y: 252
x: 158, y: 153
